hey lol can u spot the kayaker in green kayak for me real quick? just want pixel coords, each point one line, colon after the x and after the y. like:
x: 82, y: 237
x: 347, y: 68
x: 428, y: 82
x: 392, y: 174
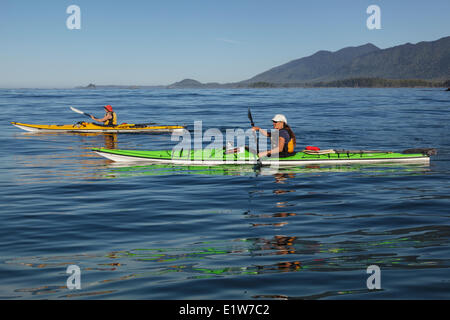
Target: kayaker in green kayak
x: 110, y: 118
x: 286, y: 138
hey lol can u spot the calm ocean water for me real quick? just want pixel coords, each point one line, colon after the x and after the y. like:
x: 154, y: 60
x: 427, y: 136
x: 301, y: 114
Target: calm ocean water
x: 159, y: 232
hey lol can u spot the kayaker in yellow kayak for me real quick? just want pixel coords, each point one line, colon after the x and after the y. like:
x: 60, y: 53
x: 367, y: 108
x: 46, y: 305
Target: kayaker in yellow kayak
x: 286, y: 138
x: 110, y: 118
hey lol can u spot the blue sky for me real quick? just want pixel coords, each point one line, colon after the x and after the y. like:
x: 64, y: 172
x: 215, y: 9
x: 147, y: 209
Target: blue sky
x: 160, y: 42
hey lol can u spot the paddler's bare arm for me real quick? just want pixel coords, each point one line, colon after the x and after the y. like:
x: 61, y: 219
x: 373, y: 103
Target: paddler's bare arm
x: 275, y: 150
x: 106, y: 117
x: 264, y: 132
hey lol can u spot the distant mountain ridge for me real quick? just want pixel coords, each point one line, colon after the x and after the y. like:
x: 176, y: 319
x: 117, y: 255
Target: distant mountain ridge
x: 192, y: 84
x: 426, y: 63
x: 424, y: 60
x: 313, y: 68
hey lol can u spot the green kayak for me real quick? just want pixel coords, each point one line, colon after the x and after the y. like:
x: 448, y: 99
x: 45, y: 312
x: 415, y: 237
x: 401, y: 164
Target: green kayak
x: 212, y: 157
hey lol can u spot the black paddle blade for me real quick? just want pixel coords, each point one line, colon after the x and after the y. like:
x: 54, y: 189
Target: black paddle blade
x: 256, y: 135
x: 250, y: 117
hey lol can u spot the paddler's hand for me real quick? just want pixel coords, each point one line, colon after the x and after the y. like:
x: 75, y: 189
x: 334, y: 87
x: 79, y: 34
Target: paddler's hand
x: 92, y: 117
x: 256, y: 128
x: 263, y: 154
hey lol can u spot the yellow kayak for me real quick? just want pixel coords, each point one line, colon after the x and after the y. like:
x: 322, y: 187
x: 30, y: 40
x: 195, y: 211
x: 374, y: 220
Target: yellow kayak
x: 93, y: 127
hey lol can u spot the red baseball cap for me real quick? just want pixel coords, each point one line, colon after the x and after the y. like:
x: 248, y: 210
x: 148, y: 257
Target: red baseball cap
x: 109, y: 108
